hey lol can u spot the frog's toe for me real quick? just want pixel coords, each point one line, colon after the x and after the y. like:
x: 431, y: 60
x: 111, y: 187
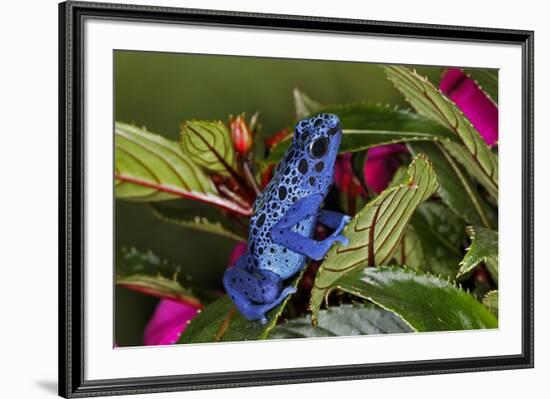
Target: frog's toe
x: 343, y: 223
x: 288, y: 291
x: 342, y: 239
x: 263, y: 320
x: 319, y: 254
x: 284, y: 293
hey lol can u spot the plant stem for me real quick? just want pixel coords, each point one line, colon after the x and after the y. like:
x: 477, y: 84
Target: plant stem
x: 250, y: 177
x: 241, y: 209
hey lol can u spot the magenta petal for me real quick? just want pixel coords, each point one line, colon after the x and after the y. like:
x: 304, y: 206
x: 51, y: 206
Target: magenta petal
x: 450, y: 79
x: 168, y: 322
x: 236, y: 253
x: 379, y: 173
x: 382, y: 162
x: 386, y: 150
x: 477, y: 107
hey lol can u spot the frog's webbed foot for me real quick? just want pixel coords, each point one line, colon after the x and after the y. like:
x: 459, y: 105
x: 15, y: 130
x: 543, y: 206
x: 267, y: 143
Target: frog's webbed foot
x: 322, y: 247
x: 335, y: 220
x: 342, y: 239
x: 345, y: 220
x: 256, y: 311
x: 254, y: 294
x: 264, y: 308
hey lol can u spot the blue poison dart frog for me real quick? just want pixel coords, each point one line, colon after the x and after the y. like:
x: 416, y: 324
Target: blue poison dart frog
x: 285, y: 215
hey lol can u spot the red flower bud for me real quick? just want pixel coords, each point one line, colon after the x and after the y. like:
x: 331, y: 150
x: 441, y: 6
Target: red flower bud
x: 241, y: 135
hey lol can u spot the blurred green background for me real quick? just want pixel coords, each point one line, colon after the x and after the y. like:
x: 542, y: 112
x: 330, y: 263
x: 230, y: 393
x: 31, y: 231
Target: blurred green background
x: 160, y: 90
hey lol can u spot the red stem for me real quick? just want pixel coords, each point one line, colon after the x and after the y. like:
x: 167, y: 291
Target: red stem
x: 207, y: 198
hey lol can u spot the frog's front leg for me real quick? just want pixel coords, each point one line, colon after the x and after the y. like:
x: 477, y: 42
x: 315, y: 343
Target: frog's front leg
x: 305, y: 208
x: 254, y: 293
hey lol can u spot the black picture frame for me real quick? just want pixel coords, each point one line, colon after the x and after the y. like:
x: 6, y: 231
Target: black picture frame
x: 71, y: 199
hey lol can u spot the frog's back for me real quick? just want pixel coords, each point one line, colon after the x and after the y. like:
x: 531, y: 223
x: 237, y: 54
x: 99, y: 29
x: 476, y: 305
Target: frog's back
x: 298, y: 175
x: 270, y: 207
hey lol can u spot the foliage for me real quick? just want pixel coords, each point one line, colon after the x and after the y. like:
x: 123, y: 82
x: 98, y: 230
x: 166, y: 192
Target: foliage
x: 484, y: 248
x: 424, y: 301
x: 456, y: 188
x: 440, y: 235
x: 145, y: 272
x: 375, y: 232
x: 487, y: 81
x: 414, y: 248
x: 209, y: 145
x: 343, y: 320
x: 472, y: 152
x: 220, y: 321
x: 370, y: 125
x: 490, y: 300
x: 152, y: 168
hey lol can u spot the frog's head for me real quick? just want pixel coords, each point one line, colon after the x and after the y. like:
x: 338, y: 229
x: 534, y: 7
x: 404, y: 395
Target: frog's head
x: 317, y: 140
x: 319, y: 137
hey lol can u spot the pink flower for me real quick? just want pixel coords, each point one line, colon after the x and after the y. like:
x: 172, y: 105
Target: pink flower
x: 477, y: 107
x: 382, y: 163
x: 168, y: 322
x: 171, y: 318
x: 344, y: 177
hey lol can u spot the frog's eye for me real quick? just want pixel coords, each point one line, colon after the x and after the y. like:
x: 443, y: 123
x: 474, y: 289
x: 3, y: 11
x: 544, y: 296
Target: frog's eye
x: 318, y: 148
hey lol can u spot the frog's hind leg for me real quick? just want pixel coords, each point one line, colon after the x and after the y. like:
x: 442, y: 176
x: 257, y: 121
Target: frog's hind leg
x: 282, y: 233
x: 254, y: 293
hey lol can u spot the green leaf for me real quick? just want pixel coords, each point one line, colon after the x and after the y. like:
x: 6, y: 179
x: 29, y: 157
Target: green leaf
x: 456, y: 188
x: 463, y: 156
x: 490, y: 300
x: 147, y: 273
x: 370, y: 125
x: 472, y: 152
x: 209, y: 144
x: 375, y: 231
x: 484, y: 248
x: 192, y: 217
x: 341, y: 321
x: 304, y: 105
x: 399, y: 175
x: 410, y: 252
x: 221, y: 322
x: 149, y: 167
x: 440, y: 234
x: 424, y: 301
x: 486, y: 79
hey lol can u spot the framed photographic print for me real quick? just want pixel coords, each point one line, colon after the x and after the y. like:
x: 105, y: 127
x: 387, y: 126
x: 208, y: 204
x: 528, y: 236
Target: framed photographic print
x: 286, y: 199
